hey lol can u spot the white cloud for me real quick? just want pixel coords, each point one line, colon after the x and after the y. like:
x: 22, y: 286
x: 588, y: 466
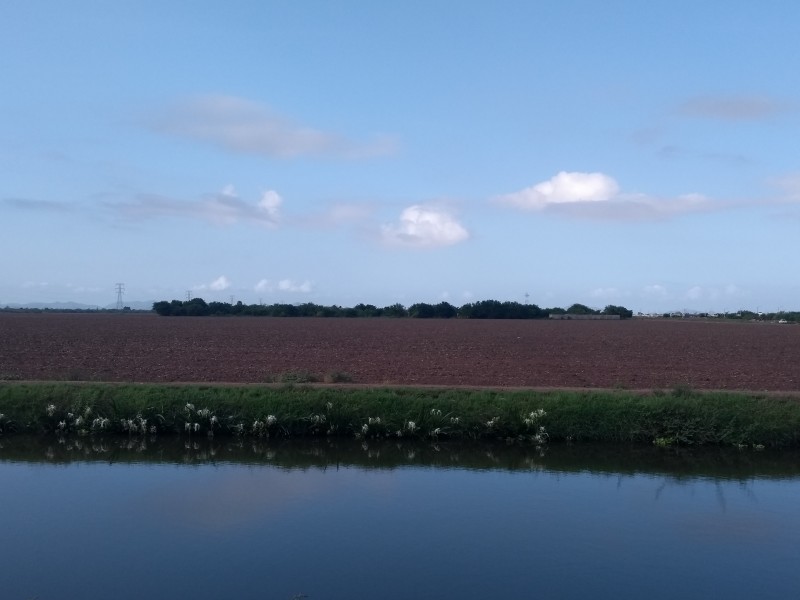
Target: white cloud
x: 607, y: 293
x: 695, y: 292
x: 220, y: 284
x: 247, y: 127
x: 223, y: 208
x: 698, y: 292
x: 425, y: 227
x: 263, y: 285
x: 655, y: 290
x: 733, y: 108
x: 598, y: 196
x: 284, y: 285
x: 287, y: 285
x: 564, y: 187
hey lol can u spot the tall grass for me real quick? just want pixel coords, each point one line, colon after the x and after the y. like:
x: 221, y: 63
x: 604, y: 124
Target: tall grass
x: 683, y: 417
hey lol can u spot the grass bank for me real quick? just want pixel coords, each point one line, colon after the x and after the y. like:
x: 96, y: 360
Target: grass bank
x: 680, y: 417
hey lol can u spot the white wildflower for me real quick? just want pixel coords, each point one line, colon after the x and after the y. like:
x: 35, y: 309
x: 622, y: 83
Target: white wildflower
x: 455, y: 420
x: 51, y: 408
x: 62, y: 425
x: 78, y: 421
x: 70, y: 416
x: 435, y: 412
x: 203, y: 413
x: 88, y: 412
x: 329, y: 405
x: 197, y: 426
x: 375, y: 421
x: 189, y: 407
x: 436, y: 432
x: 271, y: 420
x: 364, y: 429
x: 187, y: 426
x: 214, y: 419
x: 411, y: 426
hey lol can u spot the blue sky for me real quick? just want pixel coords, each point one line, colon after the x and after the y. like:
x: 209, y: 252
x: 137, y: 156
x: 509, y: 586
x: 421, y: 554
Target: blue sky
x: 621, y: 152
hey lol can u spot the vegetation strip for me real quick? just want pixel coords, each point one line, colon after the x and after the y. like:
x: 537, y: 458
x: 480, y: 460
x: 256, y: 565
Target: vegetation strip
x: 679, y: 417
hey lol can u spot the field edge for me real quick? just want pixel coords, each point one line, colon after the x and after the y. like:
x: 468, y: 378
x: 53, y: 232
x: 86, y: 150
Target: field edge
x: 680, y: 416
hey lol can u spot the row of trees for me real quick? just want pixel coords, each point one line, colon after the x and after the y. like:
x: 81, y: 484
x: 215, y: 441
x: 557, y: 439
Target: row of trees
x: 485, y: 309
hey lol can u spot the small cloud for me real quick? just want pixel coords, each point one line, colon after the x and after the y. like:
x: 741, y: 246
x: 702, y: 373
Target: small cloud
x: 223, y: 208
x: 564, y: 187
x: 287, y: 285
x: 607, y: 293
x: 264, y: 285
x: 654, y: 290
x: 425, y: 227
x: 247, y: 127
x: 733, y: 290
x: 695, y: 292
x: 284, y: 285
x: 698, y: 292
x: 733, y: 108
x: 598, y: 196
x: 220, y: 284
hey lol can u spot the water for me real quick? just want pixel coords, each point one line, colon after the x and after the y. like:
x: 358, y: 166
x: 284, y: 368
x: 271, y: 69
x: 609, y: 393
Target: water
x: 171, y: 519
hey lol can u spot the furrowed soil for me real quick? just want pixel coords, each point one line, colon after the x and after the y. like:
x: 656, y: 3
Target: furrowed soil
x: 632, y: 354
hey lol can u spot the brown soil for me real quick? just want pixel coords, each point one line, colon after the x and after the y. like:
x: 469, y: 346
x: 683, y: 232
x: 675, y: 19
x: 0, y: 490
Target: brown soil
x: 635, y: 354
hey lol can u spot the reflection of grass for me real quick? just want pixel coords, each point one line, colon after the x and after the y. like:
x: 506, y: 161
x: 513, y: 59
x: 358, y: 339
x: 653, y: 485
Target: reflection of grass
x: 533, y: 417
x: 337, y: 377
x: 300, y: 377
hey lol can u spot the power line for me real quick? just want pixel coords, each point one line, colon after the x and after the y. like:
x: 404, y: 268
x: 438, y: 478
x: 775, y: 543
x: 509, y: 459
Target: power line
x: 120, y: 287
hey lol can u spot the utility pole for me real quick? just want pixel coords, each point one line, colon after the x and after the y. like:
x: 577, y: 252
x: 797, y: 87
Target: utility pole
x: 527, y: 295
x: 188, y: 295
x: 120, y: 287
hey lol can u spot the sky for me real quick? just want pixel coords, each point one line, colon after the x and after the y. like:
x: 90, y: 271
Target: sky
x: 643, y: 154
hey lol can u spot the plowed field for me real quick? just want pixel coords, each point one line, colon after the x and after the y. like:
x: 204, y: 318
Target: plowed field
x: 635, y: 354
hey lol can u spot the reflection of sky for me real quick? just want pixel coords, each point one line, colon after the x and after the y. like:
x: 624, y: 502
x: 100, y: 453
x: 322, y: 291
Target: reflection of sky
x: 244, y: 532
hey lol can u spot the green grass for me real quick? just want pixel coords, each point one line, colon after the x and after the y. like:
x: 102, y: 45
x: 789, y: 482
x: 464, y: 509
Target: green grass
x: 682, y: 417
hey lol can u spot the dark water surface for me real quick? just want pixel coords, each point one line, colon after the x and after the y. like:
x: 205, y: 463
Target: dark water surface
x: 173, y: 518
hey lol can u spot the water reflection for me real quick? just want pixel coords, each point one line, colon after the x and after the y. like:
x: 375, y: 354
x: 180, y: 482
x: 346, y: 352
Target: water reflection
x: 720, y: 463
x: 336, y: 519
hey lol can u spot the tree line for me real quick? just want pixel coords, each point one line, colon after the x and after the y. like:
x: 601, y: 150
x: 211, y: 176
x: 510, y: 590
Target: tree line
x: 484, y: 309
